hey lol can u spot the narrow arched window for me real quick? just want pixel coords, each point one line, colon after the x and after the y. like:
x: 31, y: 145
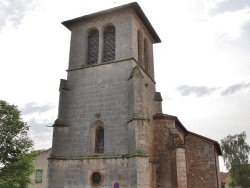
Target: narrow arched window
x: 109, y: 44
x: 99, y: 140
x: 139, y: 46
x: 146, y: 56
x: 93, y: 46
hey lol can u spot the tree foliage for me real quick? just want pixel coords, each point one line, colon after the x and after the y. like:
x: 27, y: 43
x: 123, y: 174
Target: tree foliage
x: 235, y: 153
x: 16, y: 159
x: 16, y: 174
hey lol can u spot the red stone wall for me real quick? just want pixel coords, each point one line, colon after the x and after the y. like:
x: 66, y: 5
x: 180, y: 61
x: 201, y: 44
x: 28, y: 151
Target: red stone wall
x: 201, y: 163
x: 164, y: 155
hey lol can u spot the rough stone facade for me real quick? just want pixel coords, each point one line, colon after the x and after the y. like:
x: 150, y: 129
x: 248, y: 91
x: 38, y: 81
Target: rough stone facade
x: 201, y: 162
x: 140, y: 146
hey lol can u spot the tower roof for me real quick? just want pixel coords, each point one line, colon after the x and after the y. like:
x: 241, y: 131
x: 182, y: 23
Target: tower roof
x: 133, y: 5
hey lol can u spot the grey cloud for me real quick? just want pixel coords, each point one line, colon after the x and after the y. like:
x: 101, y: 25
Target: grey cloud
x: 32, y: 107
x: 199, y: 91
x: 40, y: 133
x: 246, y: 36
x: 14, y: 10
x: 37, y: 127
x: 243, y: 42
x: 230, y: 5
x: 234, y: 88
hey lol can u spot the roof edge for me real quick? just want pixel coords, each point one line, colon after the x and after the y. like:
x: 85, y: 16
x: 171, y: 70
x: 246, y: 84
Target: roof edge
x: 159, y: 116
x: 134, y: 5
x: 217, y: 145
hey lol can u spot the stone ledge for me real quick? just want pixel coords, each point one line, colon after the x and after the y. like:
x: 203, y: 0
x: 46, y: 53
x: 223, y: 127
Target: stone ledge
x: 123, y: 156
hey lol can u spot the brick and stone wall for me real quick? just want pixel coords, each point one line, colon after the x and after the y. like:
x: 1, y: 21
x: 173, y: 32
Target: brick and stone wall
x: 164, y: 154
x: 201, y: 163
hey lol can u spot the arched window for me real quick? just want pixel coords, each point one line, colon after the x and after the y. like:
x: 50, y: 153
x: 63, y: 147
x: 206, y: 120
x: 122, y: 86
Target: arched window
x: 146, y: 56
x: 109, y: 44
x: 93, y: 46
x: 139, y: 46
x: 99, y: 140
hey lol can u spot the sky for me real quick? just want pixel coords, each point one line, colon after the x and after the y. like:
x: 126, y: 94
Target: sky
x: 202, y: 65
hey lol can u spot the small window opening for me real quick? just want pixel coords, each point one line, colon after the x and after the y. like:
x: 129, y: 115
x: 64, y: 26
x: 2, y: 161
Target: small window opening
x: 146, y: 56
x: 96, y: 178
x: 99, y: 144
x: 109, y: 44
x: 93, y: 47
x: 39, y: 176
x: 140, y: 48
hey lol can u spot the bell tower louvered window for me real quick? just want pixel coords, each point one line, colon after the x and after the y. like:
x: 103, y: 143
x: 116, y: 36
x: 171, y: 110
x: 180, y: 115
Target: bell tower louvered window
x: 109, y: 44
x: 146, y: 56
x: 99, y: 140
x: 139, y: 45
x: 93, y: 47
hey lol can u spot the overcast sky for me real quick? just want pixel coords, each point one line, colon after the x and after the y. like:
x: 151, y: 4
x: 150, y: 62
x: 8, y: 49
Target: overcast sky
x: 202, y: 66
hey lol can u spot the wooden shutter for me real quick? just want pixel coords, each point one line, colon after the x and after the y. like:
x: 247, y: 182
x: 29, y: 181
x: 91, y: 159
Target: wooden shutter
x: 109, y: 44
x: 93, y: 47
x: 39, y: 176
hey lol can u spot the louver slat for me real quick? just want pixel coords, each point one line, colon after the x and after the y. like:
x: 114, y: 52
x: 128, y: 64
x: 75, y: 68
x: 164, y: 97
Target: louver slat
x: 109, y: 44
x: 93, y: 47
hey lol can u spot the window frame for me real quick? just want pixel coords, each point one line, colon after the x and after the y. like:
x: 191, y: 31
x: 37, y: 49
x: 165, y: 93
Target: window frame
x: 39, y: 179
x: 99, y: 139
x: 109, y: 44
x: 146, y: 56
x: 92, y: 49
x: 140, y: 47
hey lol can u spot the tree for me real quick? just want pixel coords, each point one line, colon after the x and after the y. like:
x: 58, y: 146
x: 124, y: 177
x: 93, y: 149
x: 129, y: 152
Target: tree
x: 235, y: 153
x: 16, y: 174
x: 16, y: 159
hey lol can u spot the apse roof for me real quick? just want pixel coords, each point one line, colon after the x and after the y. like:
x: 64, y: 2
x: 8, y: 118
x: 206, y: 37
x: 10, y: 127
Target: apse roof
x: 216, y: 144
x: 160, y: 116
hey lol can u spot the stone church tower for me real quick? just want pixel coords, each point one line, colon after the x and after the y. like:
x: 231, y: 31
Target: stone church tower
x: 110, y: 129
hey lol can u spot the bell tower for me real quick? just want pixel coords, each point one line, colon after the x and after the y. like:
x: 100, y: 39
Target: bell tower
x: 103, y: 135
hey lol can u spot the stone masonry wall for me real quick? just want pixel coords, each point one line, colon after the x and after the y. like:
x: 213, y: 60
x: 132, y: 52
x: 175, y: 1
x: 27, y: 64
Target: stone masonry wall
x: 95, y: 91
x: 164, y: 155
x: 201, y: 163
x: 181, y: 167
x: 77, y: 173
x: 78, y: 45
x: 104, y: 93
x: 138, y: 26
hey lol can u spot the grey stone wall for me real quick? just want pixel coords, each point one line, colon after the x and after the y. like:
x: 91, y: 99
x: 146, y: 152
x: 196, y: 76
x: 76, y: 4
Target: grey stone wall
x: 122, y: 23
x: 126, y: 24
x: 95, y: 91
x: 77, y: 173
x: 120, y: 95
x: 138, y: 25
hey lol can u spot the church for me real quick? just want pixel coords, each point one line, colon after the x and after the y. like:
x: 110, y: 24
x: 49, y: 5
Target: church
x: 110, y: 130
